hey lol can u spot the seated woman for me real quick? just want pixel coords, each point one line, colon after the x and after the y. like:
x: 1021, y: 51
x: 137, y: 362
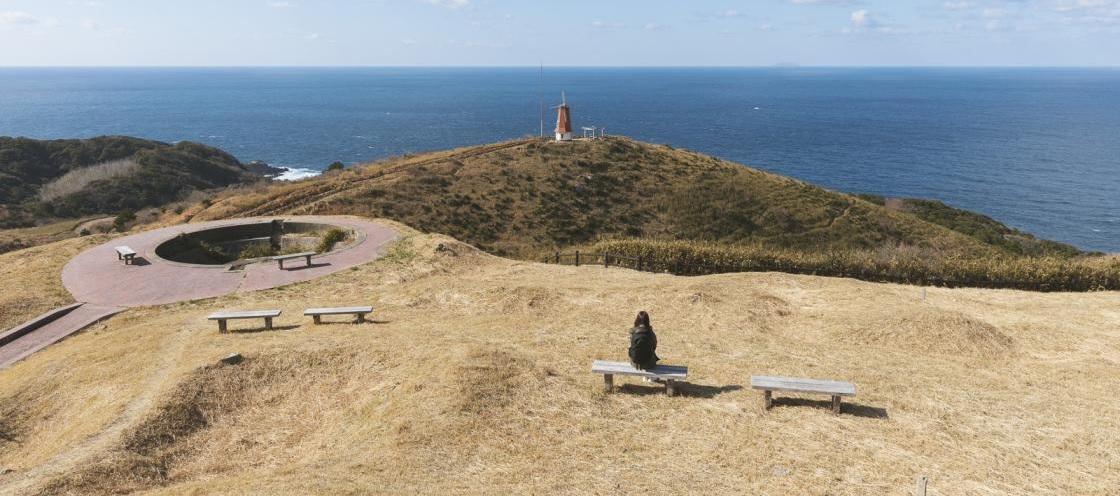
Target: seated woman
x: 643, y: 343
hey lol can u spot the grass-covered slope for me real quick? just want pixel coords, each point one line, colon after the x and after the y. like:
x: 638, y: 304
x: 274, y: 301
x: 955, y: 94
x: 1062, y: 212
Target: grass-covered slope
x: 474, y: 379
x: 522, y: 196
x: 160, y: 173
x: 978, y: 226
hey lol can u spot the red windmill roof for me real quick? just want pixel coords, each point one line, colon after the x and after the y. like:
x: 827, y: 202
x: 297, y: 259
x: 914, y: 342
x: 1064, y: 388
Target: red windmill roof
x: 563, y: 119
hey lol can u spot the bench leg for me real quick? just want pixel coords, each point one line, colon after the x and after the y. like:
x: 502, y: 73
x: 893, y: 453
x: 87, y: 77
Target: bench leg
x: 361, y: 318
x: 608, y: 382
x: 222, y: 327
x: 836, y: 405
x: 309, y: 260
x: 281, y: 263
x: 317, y: 318
x: 670, y: 387
x: 768, y: 399
x: 268, y: 322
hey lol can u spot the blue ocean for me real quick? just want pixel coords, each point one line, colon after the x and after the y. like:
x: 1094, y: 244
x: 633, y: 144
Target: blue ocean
x: 1038, y: 149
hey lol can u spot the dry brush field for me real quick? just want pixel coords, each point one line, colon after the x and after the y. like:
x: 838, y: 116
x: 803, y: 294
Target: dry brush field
x: 474, y: 379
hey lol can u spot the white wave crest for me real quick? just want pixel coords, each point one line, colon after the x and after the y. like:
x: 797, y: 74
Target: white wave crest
x: 297, y: 173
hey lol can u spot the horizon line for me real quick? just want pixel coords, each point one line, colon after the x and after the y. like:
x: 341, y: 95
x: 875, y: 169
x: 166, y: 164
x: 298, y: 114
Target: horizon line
x: 562, y: 66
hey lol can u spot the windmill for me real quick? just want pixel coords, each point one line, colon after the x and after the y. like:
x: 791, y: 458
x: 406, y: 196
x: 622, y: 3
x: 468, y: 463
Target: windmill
x: 563, y: 119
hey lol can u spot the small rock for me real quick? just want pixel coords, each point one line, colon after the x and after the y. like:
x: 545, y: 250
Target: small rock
x: 781, y: 471
x: 232, y: 359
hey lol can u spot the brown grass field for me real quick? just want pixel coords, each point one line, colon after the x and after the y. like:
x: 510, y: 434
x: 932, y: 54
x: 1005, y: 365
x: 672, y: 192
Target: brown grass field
x: 474, y: 379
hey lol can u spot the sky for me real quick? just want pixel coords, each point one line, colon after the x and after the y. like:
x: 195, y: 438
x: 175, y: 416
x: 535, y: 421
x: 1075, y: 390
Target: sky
x: 559, y: 33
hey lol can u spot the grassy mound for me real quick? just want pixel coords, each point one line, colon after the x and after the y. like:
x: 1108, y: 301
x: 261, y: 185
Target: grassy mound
x: 473, y: 378
x: 938, y: 331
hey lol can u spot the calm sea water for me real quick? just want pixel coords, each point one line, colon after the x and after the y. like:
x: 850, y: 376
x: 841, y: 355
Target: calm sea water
x: 1037, y: 149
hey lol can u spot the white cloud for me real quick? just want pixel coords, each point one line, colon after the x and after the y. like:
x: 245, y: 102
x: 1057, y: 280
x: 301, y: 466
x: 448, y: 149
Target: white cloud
x: 91, y: 24
x: 17, y: 17
x: 821, y: 2
x: 861, y: 19
x: 653, y: 26
x: 994, y: 13
x: 312, y: 36
x: 957, y: 5
x: 281, y: 5
x: 451, y: 4
x: 600, y: 24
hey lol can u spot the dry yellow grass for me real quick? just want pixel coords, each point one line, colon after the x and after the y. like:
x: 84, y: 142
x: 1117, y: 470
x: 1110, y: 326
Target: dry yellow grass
x: 474, y: 379
x: 32, y: 279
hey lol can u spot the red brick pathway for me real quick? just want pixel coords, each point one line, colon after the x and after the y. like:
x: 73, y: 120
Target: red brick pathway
x: 97, y: 277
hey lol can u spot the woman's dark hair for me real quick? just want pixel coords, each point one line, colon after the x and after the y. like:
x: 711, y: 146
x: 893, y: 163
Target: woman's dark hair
x: 642, y: 320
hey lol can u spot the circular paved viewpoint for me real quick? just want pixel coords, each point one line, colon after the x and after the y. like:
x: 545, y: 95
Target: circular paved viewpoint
x: 96, y: 276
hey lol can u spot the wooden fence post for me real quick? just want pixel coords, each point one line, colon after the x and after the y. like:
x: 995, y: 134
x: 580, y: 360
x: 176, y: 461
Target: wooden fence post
x: 606, y: 260
x: 639, y: 263
x: 557, y: 258
x: 922, y: 481
x: 577, y: 258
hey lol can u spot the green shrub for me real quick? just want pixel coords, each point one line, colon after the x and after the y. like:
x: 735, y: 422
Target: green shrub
x: 256, y: 250
x: 336, y: 166
x: 123, y: 219
x: 329, y: 239
x: 903, y: 264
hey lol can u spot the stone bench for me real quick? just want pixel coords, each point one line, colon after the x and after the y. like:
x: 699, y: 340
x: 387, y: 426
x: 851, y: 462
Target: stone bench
x: 318, y: 313
x: 222, y: 317
x: 281, y: 258
x: 667, y: 373
x: 835, y: 389
x: 125, y: 253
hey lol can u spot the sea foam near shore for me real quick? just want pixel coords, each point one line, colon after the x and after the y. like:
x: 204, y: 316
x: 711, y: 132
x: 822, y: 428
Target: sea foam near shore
x: 296, y: 173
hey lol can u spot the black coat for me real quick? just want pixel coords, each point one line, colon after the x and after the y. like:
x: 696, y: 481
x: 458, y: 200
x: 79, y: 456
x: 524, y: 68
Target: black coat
x: 643, y: 347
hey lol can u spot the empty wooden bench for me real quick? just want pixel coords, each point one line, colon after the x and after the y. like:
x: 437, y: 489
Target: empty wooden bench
x: 222, y: 317
x: 125, y: 253
x: 668, y: 373
x: 318, y: 313
x: 281, y: 258
x: 835, y: 389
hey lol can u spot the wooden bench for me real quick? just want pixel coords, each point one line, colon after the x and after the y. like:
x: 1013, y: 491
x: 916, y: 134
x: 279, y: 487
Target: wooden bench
x: 281, y: 258
x: 318, y: 313
x: 222, y: 317
x: 668, y: 373
x: 125, y: 253
x: 835, y: 389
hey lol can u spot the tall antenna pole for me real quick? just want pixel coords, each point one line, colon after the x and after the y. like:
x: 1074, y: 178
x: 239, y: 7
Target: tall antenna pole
x: 540, y: 96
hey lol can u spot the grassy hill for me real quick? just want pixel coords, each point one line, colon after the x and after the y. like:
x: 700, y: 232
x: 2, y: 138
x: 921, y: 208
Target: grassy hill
x: 528, y: 198
x: 474, y: 379
x: 40, y: 180
x: 521, y: 196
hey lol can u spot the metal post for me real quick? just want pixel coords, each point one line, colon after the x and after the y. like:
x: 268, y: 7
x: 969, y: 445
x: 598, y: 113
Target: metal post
x: 922, y: 482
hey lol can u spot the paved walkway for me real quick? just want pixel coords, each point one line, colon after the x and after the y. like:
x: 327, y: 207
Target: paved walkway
x: 107, y: 286
x: 77, y: 319
x: 97, y: 277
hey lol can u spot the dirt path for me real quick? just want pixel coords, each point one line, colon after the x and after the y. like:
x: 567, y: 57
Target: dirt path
x: 99, y: 443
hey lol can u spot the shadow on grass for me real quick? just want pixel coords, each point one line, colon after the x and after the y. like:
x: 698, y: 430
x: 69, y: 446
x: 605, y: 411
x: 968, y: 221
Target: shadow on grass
x: 846, y: 408
x: 686, y: 389
x: 7, y: 434
x: 253, y: 330
x: 351, y: 322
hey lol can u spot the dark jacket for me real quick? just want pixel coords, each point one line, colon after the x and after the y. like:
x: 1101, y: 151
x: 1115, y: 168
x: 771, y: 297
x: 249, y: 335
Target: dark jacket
x: 643, y: 347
